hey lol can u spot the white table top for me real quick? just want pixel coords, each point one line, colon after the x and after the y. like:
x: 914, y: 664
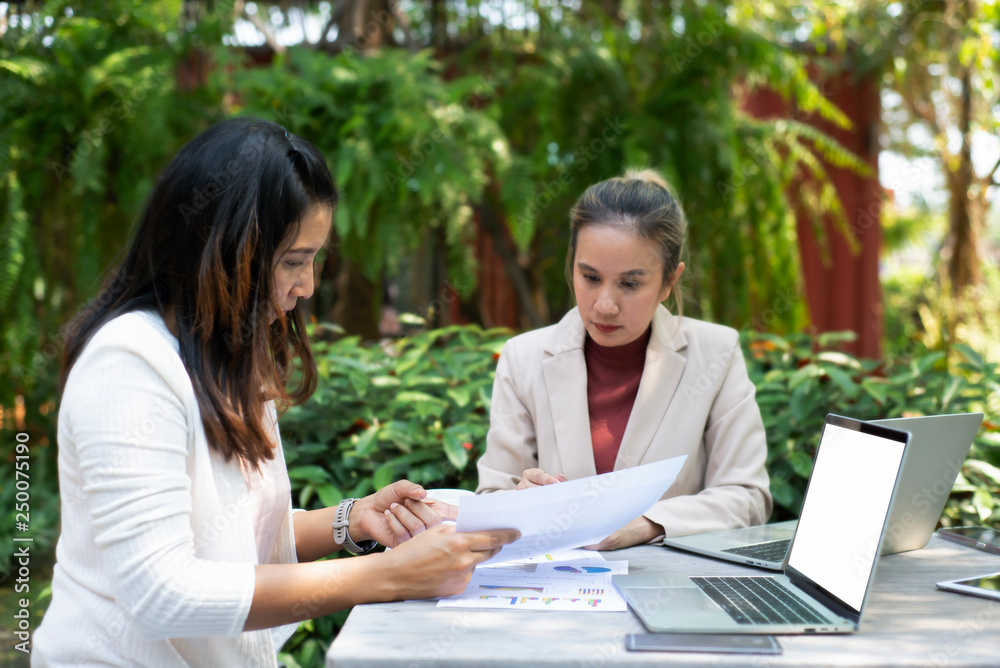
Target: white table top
x: 907, y: 622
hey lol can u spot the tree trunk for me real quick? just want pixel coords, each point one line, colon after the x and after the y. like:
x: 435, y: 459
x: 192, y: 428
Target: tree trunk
x: 964, y: 223
x: 439, y: 34
x: 517, y: 275
x: 357, y: 302
x: 365, y: 25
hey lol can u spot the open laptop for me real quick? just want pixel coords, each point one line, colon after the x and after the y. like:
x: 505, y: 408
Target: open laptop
x: 831, y: 561
x: 938, y: 447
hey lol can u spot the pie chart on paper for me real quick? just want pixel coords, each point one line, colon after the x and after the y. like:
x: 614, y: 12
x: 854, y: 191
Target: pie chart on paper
x: 583, y: 569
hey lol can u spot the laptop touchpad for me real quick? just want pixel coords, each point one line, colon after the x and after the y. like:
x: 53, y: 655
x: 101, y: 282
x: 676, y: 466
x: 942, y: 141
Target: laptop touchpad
x: 654, y: 599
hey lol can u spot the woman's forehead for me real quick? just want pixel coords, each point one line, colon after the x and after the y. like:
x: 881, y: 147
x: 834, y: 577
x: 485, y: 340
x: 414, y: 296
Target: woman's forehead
x: 616, y: 249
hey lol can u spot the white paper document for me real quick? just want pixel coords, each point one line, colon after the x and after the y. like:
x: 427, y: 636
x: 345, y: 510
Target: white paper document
x: 580, y: 584
x: 568, y: 514
x: 562, y: 555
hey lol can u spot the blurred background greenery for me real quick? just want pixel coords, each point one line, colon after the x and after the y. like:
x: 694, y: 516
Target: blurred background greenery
x: 460, y: 132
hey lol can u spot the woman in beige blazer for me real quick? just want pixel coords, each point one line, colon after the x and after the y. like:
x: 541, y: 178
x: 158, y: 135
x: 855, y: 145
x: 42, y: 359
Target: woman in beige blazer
x: 694, y: 396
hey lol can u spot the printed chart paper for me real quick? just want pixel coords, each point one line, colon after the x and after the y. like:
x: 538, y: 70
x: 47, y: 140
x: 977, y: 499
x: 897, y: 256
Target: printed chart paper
x: 581, y: 584
x: 568, y: 514
x: 563, y: 555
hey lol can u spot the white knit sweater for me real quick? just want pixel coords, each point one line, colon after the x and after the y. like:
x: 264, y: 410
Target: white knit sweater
x: 155, y: 562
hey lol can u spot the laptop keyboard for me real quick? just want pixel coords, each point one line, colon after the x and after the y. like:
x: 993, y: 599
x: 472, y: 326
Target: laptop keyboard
x: 773, y: 550
x: 757, y: 600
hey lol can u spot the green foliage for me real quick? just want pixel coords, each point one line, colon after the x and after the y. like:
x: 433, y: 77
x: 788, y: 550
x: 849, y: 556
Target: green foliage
x: 800, y: 379
x: 90, y: 113
x: 584, y: 97
x: 408, y: 149
x: 919, y: 308
x: 417, y: 409
x: 308, y: 645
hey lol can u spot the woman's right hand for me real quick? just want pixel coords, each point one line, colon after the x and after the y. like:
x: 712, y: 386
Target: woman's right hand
x: 538, y: 477
x: 439, y: 561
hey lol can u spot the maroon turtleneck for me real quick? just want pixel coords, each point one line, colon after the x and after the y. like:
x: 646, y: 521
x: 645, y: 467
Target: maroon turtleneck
x: 613, y: 376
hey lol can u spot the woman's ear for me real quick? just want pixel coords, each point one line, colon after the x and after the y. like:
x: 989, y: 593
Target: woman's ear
x: 668, y: 286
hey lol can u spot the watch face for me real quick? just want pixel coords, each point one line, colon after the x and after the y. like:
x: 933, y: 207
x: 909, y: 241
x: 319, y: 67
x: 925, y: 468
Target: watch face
x: 364, y: 547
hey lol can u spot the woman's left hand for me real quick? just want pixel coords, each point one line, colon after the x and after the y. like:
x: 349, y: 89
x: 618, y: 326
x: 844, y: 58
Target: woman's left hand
x: 396, y: 513
x: 638, y: 531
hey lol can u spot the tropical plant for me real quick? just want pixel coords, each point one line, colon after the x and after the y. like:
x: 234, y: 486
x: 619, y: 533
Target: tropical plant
x: 800, y: 379
x: 937, y: 61
x: 417, y: 408
x: 90, y: 113
x: 584, y: 95
x: 409, y: 150
x: 414, y: 408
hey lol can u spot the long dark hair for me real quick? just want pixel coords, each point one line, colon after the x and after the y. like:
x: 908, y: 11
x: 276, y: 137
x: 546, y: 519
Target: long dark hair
x: 204, y: 248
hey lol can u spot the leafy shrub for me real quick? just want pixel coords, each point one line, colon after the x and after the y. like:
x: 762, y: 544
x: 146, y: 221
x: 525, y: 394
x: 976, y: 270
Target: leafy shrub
x: 416, y: 408
x: 800, y: 379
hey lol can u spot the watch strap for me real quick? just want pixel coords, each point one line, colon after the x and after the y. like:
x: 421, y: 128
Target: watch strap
x: 341, y: 530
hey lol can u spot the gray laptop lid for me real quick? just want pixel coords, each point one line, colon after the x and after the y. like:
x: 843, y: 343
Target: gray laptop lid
x: 939, y: 445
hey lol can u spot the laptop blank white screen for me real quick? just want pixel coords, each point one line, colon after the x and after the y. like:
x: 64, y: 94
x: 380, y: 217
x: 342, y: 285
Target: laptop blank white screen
x: 844, y: 511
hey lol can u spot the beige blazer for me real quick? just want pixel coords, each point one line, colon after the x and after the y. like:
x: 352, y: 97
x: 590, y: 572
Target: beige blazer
x: 695, y: 398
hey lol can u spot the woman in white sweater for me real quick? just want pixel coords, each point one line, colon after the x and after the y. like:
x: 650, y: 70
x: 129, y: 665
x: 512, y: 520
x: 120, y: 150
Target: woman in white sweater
x: 179, y: 546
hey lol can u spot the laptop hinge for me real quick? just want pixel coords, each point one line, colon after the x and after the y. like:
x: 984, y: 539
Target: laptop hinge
x: 828, y: 600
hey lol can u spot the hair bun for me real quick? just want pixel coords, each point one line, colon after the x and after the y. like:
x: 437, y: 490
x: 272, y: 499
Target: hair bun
x: 647, y: 176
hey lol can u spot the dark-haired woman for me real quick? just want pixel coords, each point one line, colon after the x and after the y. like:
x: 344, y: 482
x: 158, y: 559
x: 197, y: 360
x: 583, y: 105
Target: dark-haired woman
x: 620, y: 381
x: 179, y: 546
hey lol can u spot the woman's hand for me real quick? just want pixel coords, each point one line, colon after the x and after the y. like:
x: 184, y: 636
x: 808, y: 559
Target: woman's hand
x: 436, y: 562
x: 439, y: 561
x: 396, y: 513
x: 638, y: 531
x: 538, y: 477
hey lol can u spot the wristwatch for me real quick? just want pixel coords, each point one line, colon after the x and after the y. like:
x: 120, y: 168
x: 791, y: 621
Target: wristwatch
x: 342, y: 534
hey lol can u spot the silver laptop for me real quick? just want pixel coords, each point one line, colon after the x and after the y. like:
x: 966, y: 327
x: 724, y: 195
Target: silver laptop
x: 831, y: 561
x: 937, y: 450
